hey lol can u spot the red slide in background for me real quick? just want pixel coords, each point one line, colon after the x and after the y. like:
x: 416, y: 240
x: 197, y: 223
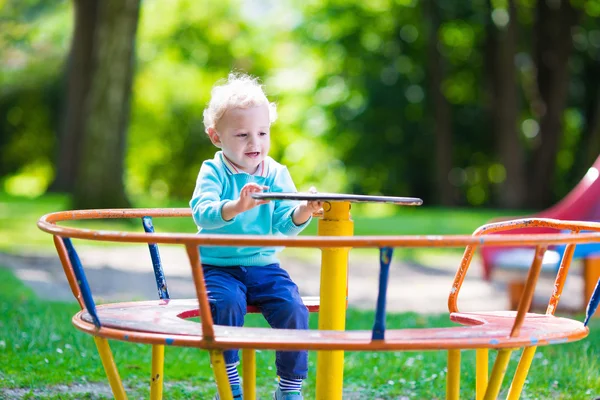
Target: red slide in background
x: 581, y: 204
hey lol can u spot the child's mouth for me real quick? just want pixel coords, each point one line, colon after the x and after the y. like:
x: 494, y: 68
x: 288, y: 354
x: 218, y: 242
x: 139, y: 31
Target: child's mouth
x: 253, y: 154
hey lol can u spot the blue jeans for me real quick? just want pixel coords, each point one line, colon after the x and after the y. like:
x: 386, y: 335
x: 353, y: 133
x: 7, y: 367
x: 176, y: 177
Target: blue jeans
x: 270, y: 288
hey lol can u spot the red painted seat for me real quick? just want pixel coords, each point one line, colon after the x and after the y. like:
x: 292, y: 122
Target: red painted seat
x: 147, y: 321
x: 311, y: 302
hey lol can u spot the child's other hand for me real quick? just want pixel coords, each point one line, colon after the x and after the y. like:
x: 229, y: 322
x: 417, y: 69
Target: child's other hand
x: 305, y: 210
x: 245, y: 202
x: 315, y: 205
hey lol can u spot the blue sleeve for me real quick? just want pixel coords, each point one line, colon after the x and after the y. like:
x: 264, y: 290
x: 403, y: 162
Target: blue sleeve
x: 282, y: 214
x: 206, y: 203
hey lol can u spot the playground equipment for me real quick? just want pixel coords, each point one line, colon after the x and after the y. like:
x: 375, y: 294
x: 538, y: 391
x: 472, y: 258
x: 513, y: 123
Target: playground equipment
x: 512, y: 264
x: 164, y: 322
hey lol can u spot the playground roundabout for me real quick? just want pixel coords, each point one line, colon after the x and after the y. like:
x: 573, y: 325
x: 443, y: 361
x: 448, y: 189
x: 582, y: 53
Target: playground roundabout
x: 501, y: 331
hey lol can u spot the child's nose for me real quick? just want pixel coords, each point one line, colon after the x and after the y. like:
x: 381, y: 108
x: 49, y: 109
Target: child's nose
x: 254, y: 139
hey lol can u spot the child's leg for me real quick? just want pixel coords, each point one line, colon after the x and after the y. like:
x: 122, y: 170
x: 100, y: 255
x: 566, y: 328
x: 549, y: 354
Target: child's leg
x: 272, y: 289
x: 227, y: 298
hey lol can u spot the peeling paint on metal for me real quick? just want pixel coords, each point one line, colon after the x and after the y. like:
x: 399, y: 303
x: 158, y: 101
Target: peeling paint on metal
x: 558, y: 341
x: 534, y: 341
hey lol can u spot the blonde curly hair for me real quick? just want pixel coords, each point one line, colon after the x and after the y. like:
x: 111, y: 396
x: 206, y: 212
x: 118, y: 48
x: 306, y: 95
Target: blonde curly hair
x: 239, y: 91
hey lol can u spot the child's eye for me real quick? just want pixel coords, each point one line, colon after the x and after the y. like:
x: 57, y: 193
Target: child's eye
x: 263, y: 134
x: 241, y: 135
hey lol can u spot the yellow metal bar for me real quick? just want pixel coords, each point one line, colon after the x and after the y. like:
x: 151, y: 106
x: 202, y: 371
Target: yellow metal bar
x: 521, y: 373
x: 158, y: 362
x: 481, y: 372
x: 110, y: 368
x: 249, y: 373
x: 497, y: 376
x: 453, y: 378
x: 334, y: 291
x: 218, y: 364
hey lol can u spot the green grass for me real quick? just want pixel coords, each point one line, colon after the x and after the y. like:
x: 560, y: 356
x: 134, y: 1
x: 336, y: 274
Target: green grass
x: 40, y: 350
x: 19, y: 233
x: 19, y: 215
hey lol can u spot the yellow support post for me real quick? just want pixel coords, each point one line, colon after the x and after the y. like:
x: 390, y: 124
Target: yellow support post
x: 249, y: 373
x: 158, y: 362
x: 218, y: 364
x: 497, y: 376
x: 481, y: 372
x: 453, y: 378
x: 334, y: 295
x: 521, y: 373
x: 110, y: 368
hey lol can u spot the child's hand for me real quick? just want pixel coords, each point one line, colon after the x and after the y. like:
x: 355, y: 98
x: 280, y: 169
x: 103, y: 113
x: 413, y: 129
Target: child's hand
x: 245, y: 202
x: 304, y: 211
x: 315, y: 205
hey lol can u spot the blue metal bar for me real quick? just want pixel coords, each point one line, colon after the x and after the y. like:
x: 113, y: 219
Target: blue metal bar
x: 593, y: 304
x: 385, y: 257
x: 161, y: 281
x: 82, y: 282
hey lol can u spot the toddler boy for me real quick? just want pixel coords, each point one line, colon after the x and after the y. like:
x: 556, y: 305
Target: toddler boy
x: 238, y: 120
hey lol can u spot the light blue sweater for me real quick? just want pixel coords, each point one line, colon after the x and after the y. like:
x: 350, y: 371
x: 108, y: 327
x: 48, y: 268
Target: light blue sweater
x: 216, y: 185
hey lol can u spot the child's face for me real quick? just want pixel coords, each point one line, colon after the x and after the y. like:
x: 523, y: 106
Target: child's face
x: 244, y: 136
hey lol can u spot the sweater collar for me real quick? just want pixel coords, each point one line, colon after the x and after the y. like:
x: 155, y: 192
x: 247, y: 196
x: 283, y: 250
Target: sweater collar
x: 261, y: 170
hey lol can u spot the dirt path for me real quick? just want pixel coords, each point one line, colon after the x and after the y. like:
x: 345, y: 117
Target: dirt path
x: 125, y: 273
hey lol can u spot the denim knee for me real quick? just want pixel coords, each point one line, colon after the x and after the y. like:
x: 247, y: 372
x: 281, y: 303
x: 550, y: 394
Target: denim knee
x: 290, y: 315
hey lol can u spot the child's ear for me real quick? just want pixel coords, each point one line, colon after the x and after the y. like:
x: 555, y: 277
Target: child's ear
x: 214, y: 137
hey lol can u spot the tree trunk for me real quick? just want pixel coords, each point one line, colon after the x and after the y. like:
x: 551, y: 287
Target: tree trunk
x: 99, y: 182
x: 590, y: 141
x: 593, y: 137
x: 79, y: 71
x: 504, y: 108
x: 554, y: 21
x: 442, y: 124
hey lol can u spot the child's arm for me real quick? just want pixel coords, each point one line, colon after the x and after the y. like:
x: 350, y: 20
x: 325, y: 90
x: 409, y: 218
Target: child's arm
x: 206, y: 203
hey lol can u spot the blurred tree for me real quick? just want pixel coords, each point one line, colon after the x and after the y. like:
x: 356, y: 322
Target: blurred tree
x: 381, y: 99
x: 31, y: 35
x: 79, y: 73
x: 587, y: 41
x: 580, y: 140
x: 552, y: 49
x: 376, y: 83
x: 592, y: 137
x: 92, y: 146
x: 505, y: 102
x: 184, y: 48
x: 441, y: 111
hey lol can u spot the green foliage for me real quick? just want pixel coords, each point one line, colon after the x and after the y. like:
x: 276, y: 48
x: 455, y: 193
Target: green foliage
x: 34, y: 36
x: 350, y: 79
x: 182, y: 53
